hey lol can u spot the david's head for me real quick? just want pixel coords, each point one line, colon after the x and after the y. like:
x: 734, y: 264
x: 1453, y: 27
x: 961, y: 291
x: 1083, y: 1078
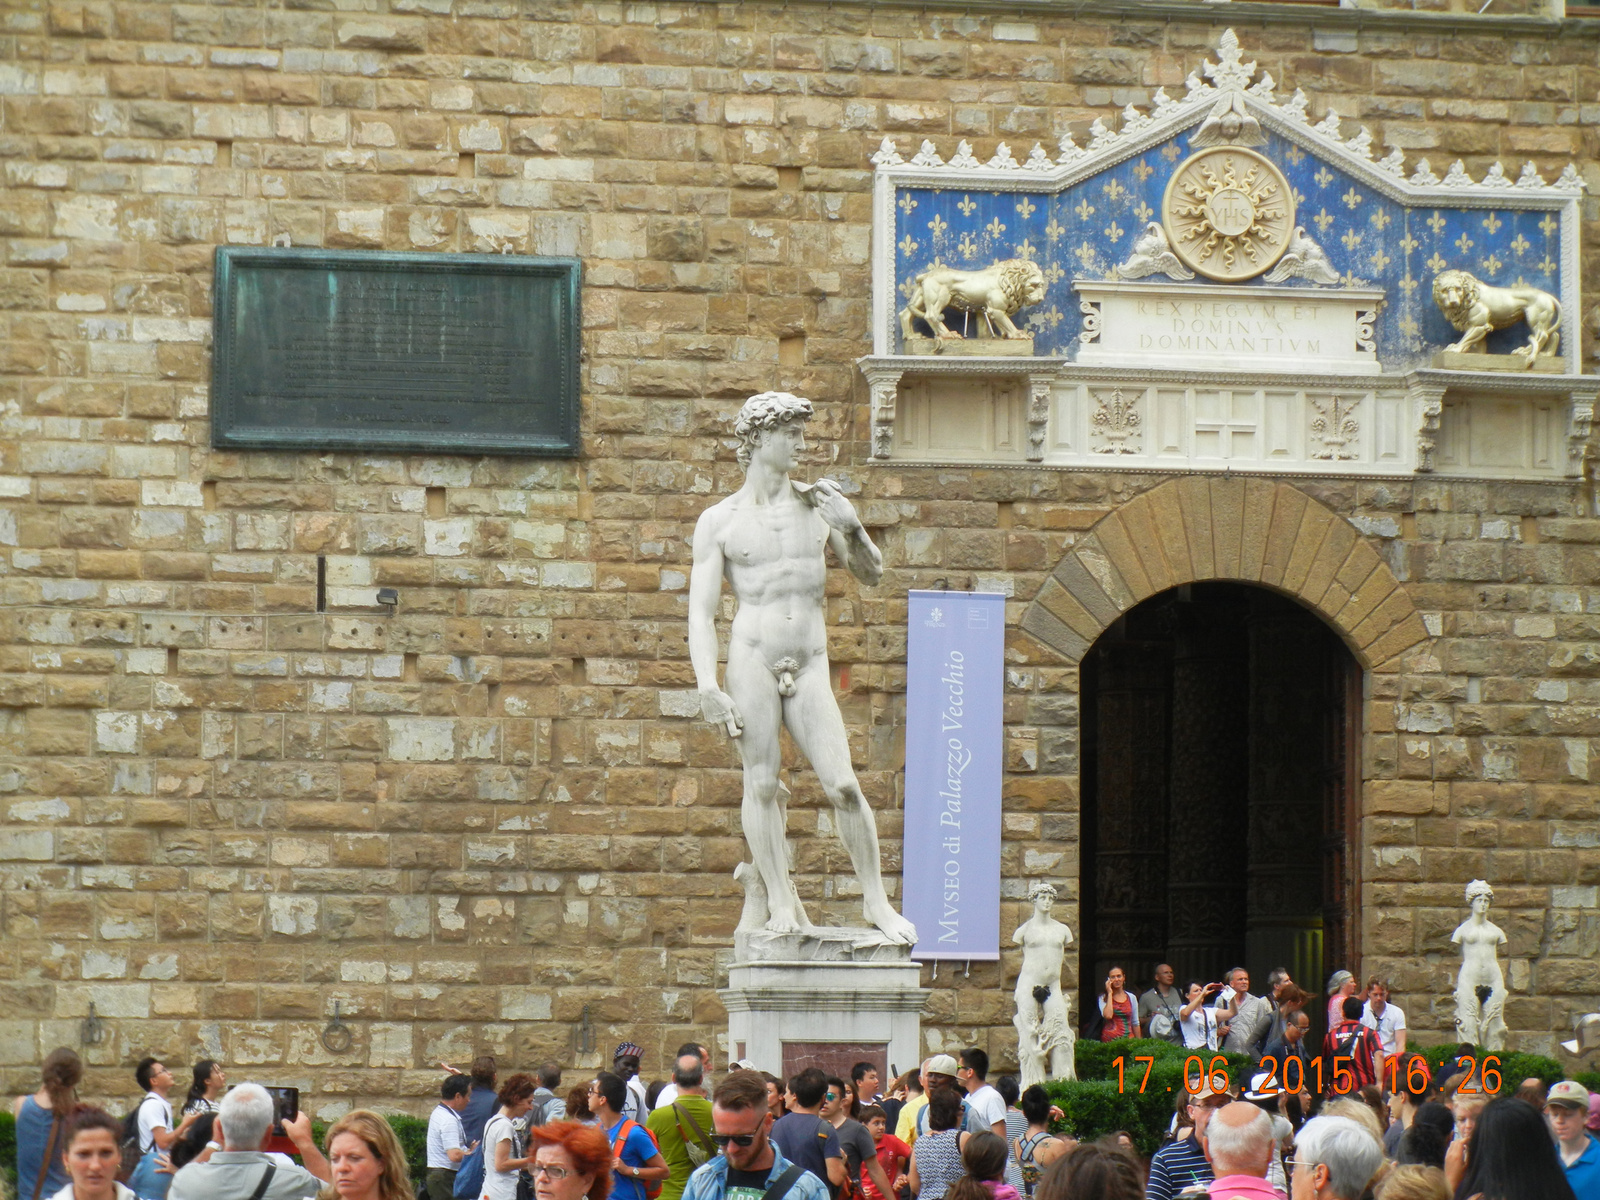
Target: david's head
x: 773, y: 422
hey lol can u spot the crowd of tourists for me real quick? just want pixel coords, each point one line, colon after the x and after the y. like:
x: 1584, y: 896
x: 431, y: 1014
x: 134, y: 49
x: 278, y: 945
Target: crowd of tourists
x: 942, y: 1132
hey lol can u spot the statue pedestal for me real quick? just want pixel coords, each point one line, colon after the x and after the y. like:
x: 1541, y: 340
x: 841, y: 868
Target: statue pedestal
x: 1545, y: 364
x: 823, y: 996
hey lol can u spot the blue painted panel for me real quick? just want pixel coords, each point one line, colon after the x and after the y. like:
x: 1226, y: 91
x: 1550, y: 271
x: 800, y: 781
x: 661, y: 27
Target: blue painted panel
x: 1088, y: 228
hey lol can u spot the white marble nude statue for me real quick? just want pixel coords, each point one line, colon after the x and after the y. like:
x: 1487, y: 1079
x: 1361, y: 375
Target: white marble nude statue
x: 768, y: 541
x: 1480, y: 988
x: 1044, y: 1031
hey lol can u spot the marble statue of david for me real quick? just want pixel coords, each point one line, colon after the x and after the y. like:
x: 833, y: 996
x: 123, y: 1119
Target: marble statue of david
x: 768, y: 541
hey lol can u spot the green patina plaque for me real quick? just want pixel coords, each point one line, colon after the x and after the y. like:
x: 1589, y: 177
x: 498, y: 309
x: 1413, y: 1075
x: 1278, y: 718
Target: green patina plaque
x: 360, y: 350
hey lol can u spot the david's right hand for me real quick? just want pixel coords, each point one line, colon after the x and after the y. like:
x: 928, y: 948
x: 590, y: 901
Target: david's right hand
x: 717, y: 707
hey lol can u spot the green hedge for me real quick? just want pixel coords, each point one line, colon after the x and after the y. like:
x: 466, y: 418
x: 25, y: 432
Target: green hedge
x: 412, y: 1132
x: 1513, y: 1067
x: 1096, y: 1104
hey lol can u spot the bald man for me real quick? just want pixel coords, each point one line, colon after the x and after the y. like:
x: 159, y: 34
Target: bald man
x: 1238, y: 1141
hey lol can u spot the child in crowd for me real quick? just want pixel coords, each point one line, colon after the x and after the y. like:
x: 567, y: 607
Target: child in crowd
x: 893, y: 1154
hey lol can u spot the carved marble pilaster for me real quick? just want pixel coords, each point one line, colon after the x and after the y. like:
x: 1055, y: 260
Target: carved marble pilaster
x: 1580, y: 434
x: 885, y: 387
x: 1038, y: 415
x: 1428, y: 404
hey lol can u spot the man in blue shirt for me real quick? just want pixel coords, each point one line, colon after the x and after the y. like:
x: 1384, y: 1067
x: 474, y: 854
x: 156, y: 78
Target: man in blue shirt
x: 1181, y: 1164
x: 750, y: 1167
x: 1567, y: 1108
x: 636, y: 1160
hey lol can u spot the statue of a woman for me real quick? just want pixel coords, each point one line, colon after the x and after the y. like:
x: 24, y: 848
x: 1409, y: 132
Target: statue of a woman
x: 1043, y: 1029
x: 1480, y: 988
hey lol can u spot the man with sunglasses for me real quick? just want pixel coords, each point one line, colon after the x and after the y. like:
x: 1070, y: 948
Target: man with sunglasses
x: 750, y: 1167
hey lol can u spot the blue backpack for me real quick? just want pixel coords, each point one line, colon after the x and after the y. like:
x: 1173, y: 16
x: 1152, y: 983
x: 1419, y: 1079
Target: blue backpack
x: 469, y: 1176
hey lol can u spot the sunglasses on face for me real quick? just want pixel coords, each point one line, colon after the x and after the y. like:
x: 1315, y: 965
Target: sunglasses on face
x: 738, y: 1139
x: 830, y: 1095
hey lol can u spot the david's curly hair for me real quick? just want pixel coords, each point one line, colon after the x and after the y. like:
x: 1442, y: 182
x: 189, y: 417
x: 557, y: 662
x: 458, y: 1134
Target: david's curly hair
x: 766, y: 411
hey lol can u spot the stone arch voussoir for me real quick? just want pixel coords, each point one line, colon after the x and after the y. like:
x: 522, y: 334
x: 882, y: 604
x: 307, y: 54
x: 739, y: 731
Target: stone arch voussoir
x: 1249, y: 530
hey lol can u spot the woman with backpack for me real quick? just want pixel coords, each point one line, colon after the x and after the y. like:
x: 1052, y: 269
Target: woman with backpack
x: 42, y: 1124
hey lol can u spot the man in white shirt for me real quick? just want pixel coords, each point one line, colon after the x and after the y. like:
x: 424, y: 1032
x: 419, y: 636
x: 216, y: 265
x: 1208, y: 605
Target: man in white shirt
x: 242, y: 1169
x: 447, y: 1137
x: 625, y: 1062
x: 985, y: 1108
x: 1247, y: 1018
x: 1387, y: 1020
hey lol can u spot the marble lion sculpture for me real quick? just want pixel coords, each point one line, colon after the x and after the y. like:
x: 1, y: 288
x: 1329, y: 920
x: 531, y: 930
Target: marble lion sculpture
x: 1476, y: 308
x: 993, y: 293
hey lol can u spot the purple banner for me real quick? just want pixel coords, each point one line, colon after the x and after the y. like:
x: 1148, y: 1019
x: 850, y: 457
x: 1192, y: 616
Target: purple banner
x: 955, y: 656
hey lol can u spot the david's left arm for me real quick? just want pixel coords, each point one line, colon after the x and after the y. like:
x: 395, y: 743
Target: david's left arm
x: 846, y: 534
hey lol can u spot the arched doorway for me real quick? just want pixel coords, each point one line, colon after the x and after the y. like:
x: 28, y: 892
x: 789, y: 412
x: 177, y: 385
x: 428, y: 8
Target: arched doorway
x: 1220, y: 790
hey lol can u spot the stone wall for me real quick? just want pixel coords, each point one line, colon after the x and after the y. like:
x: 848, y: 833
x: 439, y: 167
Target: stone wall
x: 472, y: 821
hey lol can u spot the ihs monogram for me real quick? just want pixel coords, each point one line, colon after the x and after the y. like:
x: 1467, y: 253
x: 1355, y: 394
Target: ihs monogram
x: 1230, y: 213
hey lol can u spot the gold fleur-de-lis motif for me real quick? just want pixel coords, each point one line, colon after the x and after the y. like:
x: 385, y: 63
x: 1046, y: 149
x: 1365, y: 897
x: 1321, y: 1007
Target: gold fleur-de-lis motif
x: 1084, y: 209
x: 1408, y: 285
x: 1548, y: 266
x: 1379, y: 259
x: 1143, y: 211
x: 1322, y: 220
x: 1409, y: 326
x: 1052, y: 316
x: 937, y: 226
x: 1299, y: 196
x: 1053, y: 274
x: 1380, y: 219
x: 1054, y: 230
x: 1409, y: 243
x: 1114, y: 190
x: 967, y: 206
x: 1492, y: 223
x: 1351, y: 239
x: 1492, y: 264
x: 1085, y: 253
x: 1295, y: 155
x: 1026, y: 208
x: 1170, y: 152
x: 1323, y: 177
x: 1114, y: 231
x: 1143, y: 170
x: 995, y: 228
x: 1464, y: 243
x: 1549, y: 224
x: 1025, y: 249
x: 967, y: 245
x: 908, y: 245
x: 1352, y: 199
x: 1436, y: 263
x: 1436, y: 223
x: 1520, y: 245
x: 908, y: 203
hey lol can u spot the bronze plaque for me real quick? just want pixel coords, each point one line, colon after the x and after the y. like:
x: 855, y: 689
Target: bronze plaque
x: 359, y: 350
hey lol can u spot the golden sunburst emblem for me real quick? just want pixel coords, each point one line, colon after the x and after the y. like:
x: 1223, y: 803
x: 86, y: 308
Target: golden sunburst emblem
x: 1229, y: 213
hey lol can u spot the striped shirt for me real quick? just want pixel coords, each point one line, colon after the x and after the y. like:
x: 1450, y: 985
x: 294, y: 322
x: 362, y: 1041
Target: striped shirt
x: 1175, y: 1167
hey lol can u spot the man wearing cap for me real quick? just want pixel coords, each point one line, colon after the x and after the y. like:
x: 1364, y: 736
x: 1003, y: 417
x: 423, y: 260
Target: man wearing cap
x: 939, y: 1071
x: 1182, y: 1164
x: 625, y: 1063
x: 1567, y: 1108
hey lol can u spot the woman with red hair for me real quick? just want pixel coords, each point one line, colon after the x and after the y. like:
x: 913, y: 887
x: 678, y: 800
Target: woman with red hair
x: 570, y: 1162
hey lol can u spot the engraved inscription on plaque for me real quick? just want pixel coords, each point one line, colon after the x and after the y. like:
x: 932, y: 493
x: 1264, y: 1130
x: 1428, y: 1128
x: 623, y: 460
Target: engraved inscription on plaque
x: 352, y: 350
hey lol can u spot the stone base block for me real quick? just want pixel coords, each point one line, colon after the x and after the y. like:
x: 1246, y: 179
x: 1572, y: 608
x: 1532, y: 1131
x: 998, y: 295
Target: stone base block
x: 1548, y: 364
x: 804, y: 991
x: 971, y: 347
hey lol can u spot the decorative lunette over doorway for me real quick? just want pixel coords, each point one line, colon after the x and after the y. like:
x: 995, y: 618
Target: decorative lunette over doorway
x: 1220, y: 284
